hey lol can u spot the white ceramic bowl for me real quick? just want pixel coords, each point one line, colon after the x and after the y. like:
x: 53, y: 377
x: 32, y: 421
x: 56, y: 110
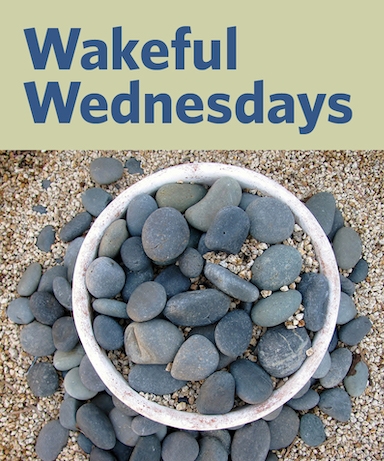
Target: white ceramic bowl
x: 205, y: 173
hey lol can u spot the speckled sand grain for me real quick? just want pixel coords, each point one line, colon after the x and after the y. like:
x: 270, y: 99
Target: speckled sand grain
x: 355, y: 178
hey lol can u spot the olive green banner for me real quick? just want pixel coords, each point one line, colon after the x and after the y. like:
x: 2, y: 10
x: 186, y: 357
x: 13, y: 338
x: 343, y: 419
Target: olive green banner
x: 192, y: 75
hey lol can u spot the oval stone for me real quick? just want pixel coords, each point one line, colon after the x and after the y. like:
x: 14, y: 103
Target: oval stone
x: 133, y: 255
x: 197, y: 308
x: 74, y: 386
x: 114, y: 236
x: 165, y: 235
x: 180, y: 196
x: 42, y: 379
x: 279, y: 265
x: 217, y: 394
x: 312, y: 430
x: 347, y: 286
x: 30, y: 279
x: 106, y: 170
x: 179, y: 445
x: 347, y: 309
x: 271, y: 220
x: 357, y: 379
x: 154, y: 379
x: 63, y: 291
x: 360, y: 271
x: 110, y: 307
x: 18, y: 311
x: 347, y: 247
x: 104, y: 278
x: 95, y: 425
x: 71, y: 256
x: 275, y: 309
x: 284, y: 428
x: 95, y: 199
x: 97, y: 454
x: 281, y: 352
x: 230, y: 283
x: 173, y: 280
x: 323, y: 206
x: 76, y: 226
x: 108, y: 333
x: 191, y: 263
x: 211, y: 448
x: 147, y: 449
x: 134, y: 279
x: 336, y: 403
x: 354, y: 331
x: 67, y: 415
x: 309, y: 400
x: 143, y: 426
x: 139, y: 209
x: 314, y: 289
x: 122, y: 425
x: 251, y: 442
x: 36, y: 339
x: 146, y: 302
x: 338, y: 223
x: 46, y: 239
x: 324, y: 367
x: 64, y: 334
x: 51, y: 440
x: 246, y: 199
x: 89, y: 376
x: 46, y: 281
x: 233, y: 333
x: 64, y: 361
x: 225, y: 191
x: 341, y: 360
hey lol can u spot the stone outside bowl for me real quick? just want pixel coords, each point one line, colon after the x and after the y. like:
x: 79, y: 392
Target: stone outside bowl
x: 205, y: 173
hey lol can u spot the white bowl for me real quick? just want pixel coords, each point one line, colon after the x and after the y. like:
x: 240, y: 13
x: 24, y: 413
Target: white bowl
x: 205, y: 173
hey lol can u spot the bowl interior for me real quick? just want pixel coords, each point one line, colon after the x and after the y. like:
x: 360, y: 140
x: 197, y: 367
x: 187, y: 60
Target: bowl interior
x: 204, y: 173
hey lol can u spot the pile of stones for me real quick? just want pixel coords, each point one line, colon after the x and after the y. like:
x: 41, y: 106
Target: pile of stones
x: 172, y: 334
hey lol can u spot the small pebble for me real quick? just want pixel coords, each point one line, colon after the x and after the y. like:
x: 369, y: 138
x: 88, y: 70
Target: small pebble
x: 217, y: 394
x: 221, y: 434
x: 233, y: 333
x: 323, y: 206
x: 84, y: 443
x: 113, y: 238
x: 51, y: 440
x: 347, y: 309
x: 211, y: 449
x: 89, y: 377
x: 347, y: 247
x: 336, y: 403
x: 354, y: 331
x: 347, y: 286
x: 104, y: 278
x: 46, y: 281
x: 180, y: 196
x: 64, y: 361
x: 324, y: 367
x: 106, y: 170
x: 95, y: 425
x: 109, y: 334
x: 284, y: 428
x: 75, y: 387
x: 133, y: 166
x: 179, y: 445
x: 134, y: 279
x: 67, y: 415
x: 97, y: 454
x: 63, y: 291
x: 46, y: 239
x: 39, y: 209
x: 312, y: 430
x: 133, y: 255
x: 251, y: 442
x: 110, y: 307
x: 126, y: 410
x: 360, y: 271
x: 139, y: 209
x: 276, y: 309
x: 95, y: 200
x: 154, y: 379
x: 18, y: 311
x: 45, y: 307
x: 46, y: 183
x: 309, y: 400
x: 357, y: 379
x: 147, y: 449
x: 64, y: 334
x: 42, y: 379
x: 191, y: 263
x: 173, y: 280
x: 36, y: 339
x: 30, y: 279
x: 315, y: 291
x: 76, y: 226
x: 143, y: 426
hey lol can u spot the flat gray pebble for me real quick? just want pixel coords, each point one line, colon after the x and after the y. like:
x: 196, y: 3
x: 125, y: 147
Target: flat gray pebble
x: 64, y: 334
x: 251, y: 442
x: 51, y: 440
x: 347, y: 286
x: 39, y: 209
x: 276, y: 308
x: 354, y: 331
x: 360, y: 271
x: 67, y: 414
x: 347, y: 309
x: 95, y: 425
x: 336, y: 403
x: 45, y: 307
x: 110, y: 307
x: 323, y: 206
x: 233, y: 333
x: 64, y: 361
x: 338, y: 223
x: 284, y: 428
x: 84, y: 443
x: 76, y: 226
x: 89, y: 376
x: 104, y: 278
x: 63, y: 292
x: 154, y: 379
x: 217, y: 394
x: 97, y: 454
x: 147, y: 449
x: 46, y: 281
x: 180, y: 196
x: 246, y: 199
x: 357, y: 379
x: 221, y: 434
x: 122, y: 426
x: 18, y: 311
x: 139, y: 209
x: 114, y: 236
x: 133, y: 166
x: 36, y: 339
x: 191, y: 263
x: 71, y: 256
x: 134, y: 279
x: 324, y: 366
x: 173, y: 280
x: 30, y: 279
x: 143, y: 426
x: 211, y: 449
x: 146, y: 302
x: 104, y: 401
x: 133, y: 255
x: 309, y: 400
x: 347, y: 247
x: 106, y: 170
x: 179, y: 445
x: 109, y: 334
x: 74, y: 386
x: 312, y: 430
x: 42, y: 379
x: 46, y: 239
x: 314, y: 289
x: 95, y: 200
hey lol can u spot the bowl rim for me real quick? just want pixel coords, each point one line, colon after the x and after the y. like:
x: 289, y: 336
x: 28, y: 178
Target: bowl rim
x: 204, y: 173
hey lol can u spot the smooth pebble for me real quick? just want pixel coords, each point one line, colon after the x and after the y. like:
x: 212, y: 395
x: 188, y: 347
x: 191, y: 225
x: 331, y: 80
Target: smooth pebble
x: 64, y: 334
x: 251, y: 442
x: 76, y: 226
x: 30, y: 279
x: 173, y: 280
x: 75, y: 387
x: 95, y: 200
x: 139, y: 208
x: 106, y: 170
x: 347, y: 247
x: 104, y: 278
x: 179, y: 445
x: 357, y: 379
x: 62, y: 290
x: 36, y: 339
x: 347, y: 309
x: 323, y: 206
x: 276, y: 308
x: 113, y: 238
x: 46, y: 239
x: 51, y: 440
x: 336, y: 403
x: 312, y: 430
x: 109, y: 334
x: 95, y: 425
x: 179, y: 196
x: 284, y: 428
x: 122, y: 425
x: 42, y: 379
x: 354, y: 331
x: 360, y: 271
x: 233, y: 333
x: 217, y: 394
x: 18, y: 311
x: 314, y: 289
x: 64, y: 361
x: 111, y: 307
x: 191, y: 263
x: 154, y: 379
x: 89, y: 376
x: 133, y: 255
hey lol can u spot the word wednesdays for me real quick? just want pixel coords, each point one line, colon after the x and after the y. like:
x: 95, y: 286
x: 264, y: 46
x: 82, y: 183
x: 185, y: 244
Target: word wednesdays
x: 136, y: 106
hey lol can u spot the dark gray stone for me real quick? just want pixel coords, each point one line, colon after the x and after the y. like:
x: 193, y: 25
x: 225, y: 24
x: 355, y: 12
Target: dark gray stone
x: 147, y: 449
x: 67, y: 414
x: 179, y: 445
x: 39, y: 209
x: 51, y: 440
x: 64, y: 334
x: 253, y: 384
x: 96, y: 425
x: 18, y: 311
x: 143, y: 426
x: 104, y: 401
x: 133, y: 255
x: 233, y: 333
x: 221, y: 434
x: 121, y: 452
x: 75, y: 387
x: 133, y: 166
x: 63, y: 292
x: 271, y: 220
x: 323, y: 206
x: 276, y: 309
x: 274, y: 414
x: 228, y: 230
x: 309, y: 400
x: 125, y: 409
x: 97, y: 454
x: 30, y: 279
x: 95, y: 200
x: 338, y: 223
x: 139, y: 208
x: 152, y: 343
x: 36, y: 339
x: 284, y: 428
x: 114, y: 236
x: 46, y: 281
x: 324, y: 366
x: 334, y: 340
x: 42, y: 379
x: 347, y: 247
x: 106, y: 170
x: 173, y: 280
x: 281, y: 352
x: 347, y: 309
x: 246, y: 199
x: 84, y: 443
x: 196, y: 359
x: 45, y: 183
x: 354, y: 331
x: 202, y: 247
x: 279, y: 265
x: 108, y: 333
x: 165, y: 235
x: 357, y: 379
x: 76, y: 226
x: 180, y: 196
x: 134, y: 279
x: 312, y: 430
x: 191, y: 263
x: 360, y: 271
x: 146, y: 302
x: 217, y: 394
x: 251, y: 442
x: 341, y: 360
x: 110, y: 307
x: 46, y: 239
x: 211, y: 449
x: 104, y: 278
x: 154, y: 379
x: 207, y: 330
x: 230, y: 283
x: 347, y: 286
x: 89, y: 376
x: 336, y: 403
x: 197, y: 308
x: 71, y: 256
x: 122, y: 425
x: 315, y: 290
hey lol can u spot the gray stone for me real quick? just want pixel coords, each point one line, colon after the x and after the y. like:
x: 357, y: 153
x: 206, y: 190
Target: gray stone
x: 274, y: 414
x: 347, y: 286
x: 323, y: 206
x: 233, y: 333
x: 230, y: 283
x: 357, y: 379
x: 314, y: 289
x: 197, y: 308
x: 75, y: 388
x: 347, y: 247
x: 309, y: 400
x: 110, y: 307
x: 196, y: 359
x: 217, y: 394
x: 63, y: 292
x: 146, y: 302
x: 336, y: 403
x: 341, y: 360
x: 207, y: 330
x: 84, y: 443
x: 121, y: 452
x: 347, y: 309
x: 191, y: 263
x: 108, y: 333
x: 279, y: 265
x: 67, y: 414
x: 46, y: 239
x: 303, y: 390
x: 165, y: 235
x: 276, y: 309
x: 154, y: 379
x: 180, y: 196
x: 114, y: 236
x: 312, y: 430
x: 360, y: 271
x: 46, y: 281
x: 284, y: 428
x: 51, y: 440
x: 125, y: 409
x: 39, y: 209
x: 71, y: 256
x: 46, y: 183
x: 251, y: 442
x: 179, y: 445
x: 246, y: 199
x: 134, y: 279
x: 338, y: 223
x: 89, y: 376
x: 271, y: 220
x: 18, y: 311
x: 30, y: 279
x: 97, y: 454
x: 354, y: 331
x: 152, y: 343
x: 96, y: 425
x: 76, y: 226
x: 45, y: 308
x: 221, y: 434
x: 202, y: 247
x: 225, y: 191
x: 139, y: 208
x: 133, y: 166
x: 104, y: 401
x: 95, y: 200
x: 36, y: 339
x: 147, y: 449
x: 324, y: 367
x: 211, y: 449
x: 64, y: 334
x: 42, y: 379
x: 334, y: 340
x: 228, y: 230
x: 253, y: 384
x: 281, y: 352
x: 143, y: 426
x: 104, y: 278
x: 64, y: 361
x: 173, y: 280
x: 133, y: 255
x: 106, y: 170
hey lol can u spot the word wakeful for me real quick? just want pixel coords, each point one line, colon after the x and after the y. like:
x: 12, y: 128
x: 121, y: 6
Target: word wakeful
x: 138, y: 105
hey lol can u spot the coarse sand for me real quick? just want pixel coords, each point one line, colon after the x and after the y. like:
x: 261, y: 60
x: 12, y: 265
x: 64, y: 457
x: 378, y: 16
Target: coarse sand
x: 354, y: 178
